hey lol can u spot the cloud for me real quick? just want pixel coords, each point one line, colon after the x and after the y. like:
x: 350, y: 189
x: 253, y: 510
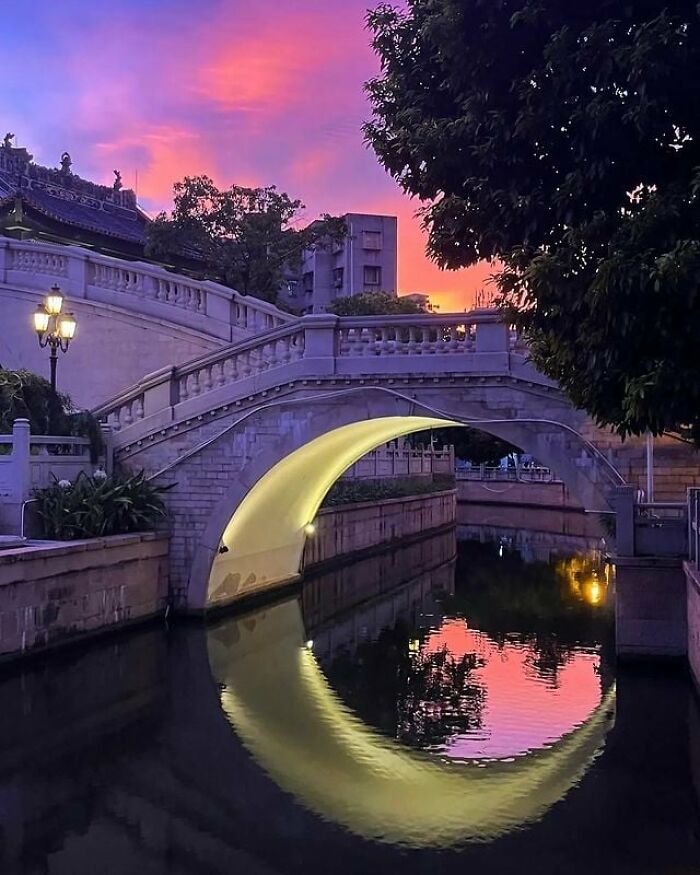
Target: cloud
x: 254, y: 93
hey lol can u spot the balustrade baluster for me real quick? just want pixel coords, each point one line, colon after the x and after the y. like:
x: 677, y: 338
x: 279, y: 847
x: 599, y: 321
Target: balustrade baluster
x: 220, y: 375
x: 231, y: 369
x: 184, y: 388
x: 208, y: 384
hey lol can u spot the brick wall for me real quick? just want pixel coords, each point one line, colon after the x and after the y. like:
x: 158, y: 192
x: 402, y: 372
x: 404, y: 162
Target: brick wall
x: 52, y: 594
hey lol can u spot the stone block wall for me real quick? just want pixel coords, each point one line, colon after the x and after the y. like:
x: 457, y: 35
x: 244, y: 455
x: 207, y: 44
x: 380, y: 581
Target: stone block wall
x: 676, y: 464
x: 546, y: 495
x: 352, y: 528
x: 56, y: 592
x: 650, y: 607
x: 693, y: 596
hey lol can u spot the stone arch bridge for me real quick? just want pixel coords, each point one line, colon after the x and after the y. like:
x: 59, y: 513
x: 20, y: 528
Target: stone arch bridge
x: 253, y: 435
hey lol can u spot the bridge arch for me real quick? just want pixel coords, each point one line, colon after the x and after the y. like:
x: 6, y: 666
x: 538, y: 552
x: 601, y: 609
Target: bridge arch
x: 255, y: 532
x: 281, y: 415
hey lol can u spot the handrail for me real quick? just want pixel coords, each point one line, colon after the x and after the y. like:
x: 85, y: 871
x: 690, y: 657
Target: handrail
x: 327, y: 344
x: 89, y: 275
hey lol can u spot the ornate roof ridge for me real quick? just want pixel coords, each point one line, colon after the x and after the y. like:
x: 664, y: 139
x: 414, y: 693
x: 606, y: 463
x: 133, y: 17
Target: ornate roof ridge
x: 17, y: 163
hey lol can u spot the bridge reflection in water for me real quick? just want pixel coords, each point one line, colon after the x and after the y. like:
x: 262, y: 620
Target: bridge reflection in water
x: 305, y: 737
x: 242, y: 748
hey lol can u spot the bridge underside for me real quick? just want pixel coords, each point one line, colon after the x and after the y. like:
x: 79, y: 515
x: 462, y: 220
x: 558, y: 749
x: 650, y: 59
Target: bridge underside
x: 264, y: 540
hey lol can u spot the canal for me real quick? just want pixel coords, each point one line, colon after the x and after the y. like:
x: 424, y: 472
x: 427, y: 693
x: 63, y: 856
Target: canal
x: 450, y: 706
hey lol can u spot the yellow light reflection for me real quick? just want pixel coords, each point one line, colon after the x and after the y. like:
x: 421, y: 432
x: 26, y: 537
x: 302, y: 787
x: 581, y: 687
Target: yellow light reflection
x: 587, y: 578
x: 297, y: 729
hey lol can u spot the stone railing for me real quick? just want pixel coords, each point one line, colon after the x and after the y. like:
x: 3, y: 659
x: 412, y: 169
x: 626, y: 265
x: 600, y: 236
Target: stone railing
x: 146, y: 289
x: 516, y: 474
x: 320, y: 346
x: 29, y: 462
x: 644, y: 528
x: 423, y: 334
x: 387, y: 462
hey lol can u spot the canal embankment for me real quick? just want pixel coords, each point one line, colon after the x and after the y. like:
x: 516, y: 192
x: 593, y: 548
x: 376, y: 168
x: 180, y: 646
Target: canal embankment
x: 52, y: 593
x: 346, y: 530
x: 546, y: 494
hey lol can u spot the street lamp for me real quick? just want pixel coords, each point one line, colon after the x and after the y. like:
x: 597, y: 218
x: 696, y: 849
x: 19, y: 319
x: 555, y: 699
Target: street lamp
x: 53, y: 327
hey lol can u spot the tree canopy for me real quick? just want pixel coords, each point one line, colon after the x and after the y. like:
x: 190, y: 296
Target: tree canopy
x: 373, y: 304
x: 561, y: 140
x: 246, y: 237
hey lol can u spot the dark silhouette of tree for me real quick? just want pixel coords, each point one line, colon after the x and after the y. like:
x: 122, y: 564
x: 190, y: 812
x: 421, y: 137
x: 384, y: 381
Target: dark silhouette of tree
x: 563, y: 141
x: 246, y: 237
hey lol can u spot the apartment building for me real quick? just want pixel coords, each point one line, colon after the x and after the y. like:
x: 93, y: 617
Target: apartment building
x: 365, y: 261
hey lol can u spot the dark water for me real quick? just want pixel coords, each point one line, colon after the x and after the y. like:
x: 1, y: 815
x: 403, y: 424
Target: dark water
x: 415, y: 712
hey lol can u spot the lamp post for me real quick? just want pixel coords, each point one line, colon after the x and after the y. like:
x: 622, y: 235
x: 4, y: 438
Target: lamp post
x: 54, y: 328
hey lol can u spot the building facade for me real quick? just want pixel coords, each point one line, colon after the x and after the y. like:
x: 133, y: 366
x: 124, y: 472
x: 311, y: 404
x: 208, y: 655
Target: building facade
x: 365, y: 261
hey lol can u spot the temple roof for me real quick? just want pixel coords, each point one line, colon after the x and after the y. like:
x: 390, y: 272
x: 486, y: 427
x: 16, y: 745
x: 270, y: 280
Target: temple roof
x: 65, y: 197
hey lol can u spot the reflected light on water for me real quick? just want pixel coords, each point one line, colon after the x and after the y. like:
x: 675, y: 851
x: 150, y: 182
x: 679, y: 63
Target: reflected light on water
x: 526, y: 706
x: 314, y: 747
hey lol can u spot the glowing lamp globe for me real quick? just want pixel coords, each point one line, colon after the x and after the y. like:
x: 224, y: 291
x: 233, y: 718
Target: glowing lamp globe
x: 41, y: 320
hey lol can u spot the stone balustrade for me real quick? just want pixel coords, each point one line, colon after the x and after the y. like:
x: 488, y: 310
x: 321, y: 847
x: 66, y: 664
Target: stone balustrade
x: 388, y: 462
x: 144, y: 288
x: 320, y: 346
x: 29, y: 462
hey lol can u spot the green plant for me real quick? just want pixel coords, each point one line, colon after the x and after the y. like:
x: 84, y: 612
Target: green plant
x: 25, y: 395
x: 96, y: 506
x: 374, y: 304
x: 561, y: 140
x: 355, y: 491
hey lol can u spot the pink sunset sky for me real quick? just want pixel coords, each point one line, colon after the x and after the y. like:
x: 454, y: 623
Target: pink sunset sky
x: 256, y: 93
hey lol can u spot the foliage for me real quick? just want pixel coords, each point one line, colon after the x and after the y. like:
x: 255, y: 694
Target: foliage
x: 421, y: 698
x: 24, y: 395
x: 563, y: 140
x: 373, y: 304
x: 95, y: 507
x: 477, y: 447
x: 246, y: 236
x: 356, y: 491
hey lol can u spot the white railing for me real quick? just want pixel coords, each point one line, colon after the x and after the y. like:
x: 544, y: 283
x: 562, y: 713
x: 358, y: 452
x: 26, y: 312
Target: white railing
x: 516, y: 474
x: 387, y: 462
x: 144, y: 288
x: 28, y: 462
x: 317, y: 346
x: 423, y: 334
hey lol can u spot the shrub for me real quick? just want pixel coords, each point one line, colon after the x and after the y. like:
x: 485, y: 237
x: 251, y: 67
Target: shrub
x: 96, y: 506
x: 355, y: 491
x: 28, y: 396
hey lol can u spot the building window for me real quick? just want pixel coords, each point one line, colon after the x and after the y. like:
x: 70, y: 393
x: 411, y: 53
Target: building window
x: 372, y: 275
x: 371, y: 239
x: 338, y: 275
x: 308, y: 280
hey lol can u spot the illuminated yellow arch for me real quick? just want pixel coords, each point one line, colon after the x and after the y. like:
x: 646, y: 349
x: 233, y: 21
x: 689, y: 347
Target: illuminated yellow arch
x: 312, y: 746
x: 264, y: 540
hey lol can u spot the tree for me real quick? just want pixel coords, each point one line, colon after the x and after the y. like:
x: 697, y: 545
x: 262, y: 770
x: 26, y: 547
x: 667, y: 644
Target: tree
x: 246, y: 237
x: 373, y: 304
x: 563, y: 140
x: 24, y: 395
